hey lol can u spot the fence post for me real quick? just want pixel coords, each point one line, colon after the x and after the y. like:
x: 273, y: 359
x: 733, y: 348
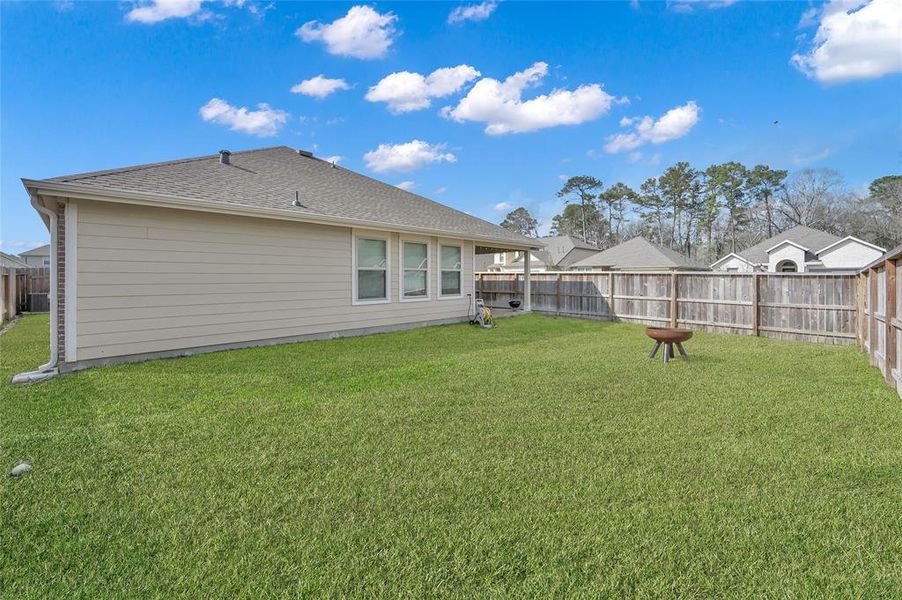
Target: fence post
x: 872, y: 318
x: 673, y: 299
x: 611, y: 296
x: 889, y: 314
x: 756, y: 320
x: 558, y: 295
x: 861, y: 303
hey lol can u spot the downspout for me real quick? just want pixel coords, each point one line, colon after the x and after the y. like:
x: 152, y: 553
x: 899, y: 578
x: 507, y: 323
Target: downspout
x: 49, y: 369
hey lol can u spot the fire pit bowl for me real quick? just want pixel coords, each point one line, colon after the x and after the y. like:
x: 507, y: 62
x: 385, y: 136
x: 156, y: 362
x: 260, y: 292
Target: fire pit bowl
x: 668, y: 336
x: 514, y: 304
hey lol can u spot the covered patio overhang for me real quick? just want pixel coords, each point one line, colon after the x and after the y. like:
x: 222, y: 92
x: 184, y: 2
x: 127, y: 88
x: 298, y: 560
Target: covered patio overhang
x: 527, y: 267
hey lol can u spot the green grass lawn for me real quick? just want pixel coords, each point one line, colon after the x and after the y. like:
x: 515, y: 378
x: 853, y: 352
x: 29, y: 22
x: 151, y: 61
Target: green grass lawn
x: 546, y: 457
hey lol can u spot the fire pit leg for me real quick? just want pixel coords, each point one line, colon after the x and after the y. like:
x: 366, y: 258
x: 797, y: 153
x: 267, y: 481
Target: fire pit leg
x: 654, y: 350
x: 682, y: 352
x: 668, y: 351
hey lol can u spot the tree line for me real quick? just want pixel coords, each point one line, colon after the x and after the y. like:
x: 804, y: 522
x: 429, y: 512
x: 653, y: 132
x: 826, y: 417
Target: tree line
x: 723, y: 208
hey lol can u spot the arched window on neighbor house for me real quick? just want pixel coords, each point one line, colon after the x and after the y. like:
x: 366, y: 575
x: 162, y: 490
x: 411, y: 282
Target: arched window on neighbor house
x: 787, y: 266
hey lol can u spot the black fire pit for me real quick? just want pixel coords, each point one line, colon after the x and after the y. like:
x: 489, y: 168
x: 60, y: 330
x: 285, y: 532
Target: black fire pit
x: 514, y: 304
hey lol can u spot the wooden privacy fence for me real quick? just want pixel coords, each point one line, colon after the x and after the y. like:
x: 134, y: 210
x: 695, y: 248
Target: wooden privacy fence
x: 820, y: 308
x: 7, y: 293
x: 33, y: 289
x: 879, y: 298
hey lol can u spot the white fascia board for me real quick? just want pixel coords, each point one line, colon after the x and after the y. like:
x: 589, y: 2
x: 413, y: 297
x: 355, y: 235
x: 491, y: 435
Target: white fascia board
x: 853, y: 239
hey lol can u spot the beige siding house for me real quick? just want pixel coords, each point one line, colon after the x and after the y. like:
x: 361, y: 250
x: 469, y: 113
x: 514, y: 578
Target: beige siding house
x: 257, y: 247
x: 37, y: 257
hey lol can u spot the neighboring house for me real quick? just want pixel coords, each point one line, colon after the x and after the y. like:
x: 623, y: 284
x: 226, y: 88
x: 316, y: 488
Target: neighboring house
x: 638, y: 254
x: 801, y: 250
x: 13, y: 262
x: 559, y: 254
x: 257, y: 247
x: 37, y: 257
x: 8, y: 285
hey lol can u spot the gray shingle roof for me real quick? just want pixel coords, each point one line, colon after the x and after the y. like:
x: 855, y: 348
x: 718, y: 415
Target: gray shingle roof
x: 268, y: 179
x: 563, y: 250
x: 813, y: 239
x: 638, y: 253
x: 39, y: 251
x: 8, y: 260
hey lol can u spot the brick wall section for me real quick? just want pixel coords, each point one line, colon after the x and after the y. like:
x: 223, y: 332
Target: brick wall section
x: 61, y: 281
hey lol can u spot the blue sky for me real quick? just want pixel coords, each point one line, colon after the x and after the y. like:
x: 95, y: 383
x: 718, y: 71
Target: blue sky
x: 88, y: 86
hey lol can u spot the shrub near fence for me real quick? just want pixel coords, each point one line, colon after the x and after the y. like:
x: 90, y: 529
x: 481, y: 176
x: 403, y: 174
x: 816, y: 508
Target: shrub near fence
x: 811, y: 307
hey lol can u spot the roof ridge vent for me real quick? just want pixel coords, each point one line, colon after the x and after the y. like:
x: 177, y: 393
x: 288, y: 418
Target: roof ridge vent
x: 306, y: 153
x: 224, y: 157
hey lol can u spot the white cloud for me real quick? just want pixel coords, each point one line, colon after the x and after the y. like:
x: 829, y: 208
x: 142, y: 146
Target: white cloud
x: 472, y: 12
x: 16, y: 245
x: 333, y: 159
x: 501, y: 206
x: 441, y: 190
x: 686, y: 6
x: 405, y: 91
x: 263, y: 122
x: 320, y: 86
x: 856, y: 39
x: 406, y: 157
x: 361, y: 33
x: 800, y: 159
x: 406, y: 185
x: 675, y: 123
x: 160, y: 10
x: 501, y: 106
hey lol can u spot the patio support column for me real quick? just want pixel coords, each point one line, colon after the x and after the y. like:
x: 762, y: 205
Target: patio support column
x: 527, y: 281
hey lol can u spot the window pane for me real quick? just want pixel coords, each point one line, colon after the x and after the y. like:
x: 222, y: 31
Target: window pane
x: 370, y: 285
x: 414, y: 255
x: 414, y: 283
x: 450, y: 283
x: 371, y: 253
x: 450, y: 257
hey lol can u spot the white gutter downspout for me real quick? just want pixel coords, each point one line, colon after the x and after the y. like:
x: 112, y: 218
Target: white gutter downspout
x: 49, y: 369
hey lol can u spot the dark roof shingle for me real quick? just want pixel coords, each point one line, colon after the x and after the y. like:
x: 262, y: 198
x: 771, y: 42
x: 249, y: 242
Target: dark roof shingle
x: 639, y: 253
x: 269, y: 178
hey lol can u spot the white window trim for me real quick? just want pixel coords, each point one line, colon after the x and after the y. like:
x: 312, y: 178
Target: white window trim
x: 401, y: 269
x: 459, y: 295
x: 363, y: 235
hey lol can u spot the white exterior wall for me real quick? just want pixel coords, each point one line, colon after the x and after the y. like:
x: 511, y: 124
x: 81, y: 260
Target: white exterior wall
x: 849, y: 254
x: 786, y: 252
x: 735, y: 264
x: 156, y: 280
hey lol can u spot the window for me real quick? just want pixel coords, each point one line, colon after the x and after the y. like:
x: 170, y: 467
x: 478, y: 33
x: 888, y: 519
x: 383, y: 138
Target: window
x: 46, y: 261
x: 371, y: 266
x: 415, y: 270
x: 451, y: 266
x: 787, y: 266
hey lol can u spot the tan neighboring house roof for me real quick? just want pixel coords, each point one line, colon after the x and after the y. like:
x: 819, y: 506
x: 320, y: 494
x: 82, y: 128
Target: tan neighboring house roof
x: 638, y: 254
x: 267, y: 181
x: 562, y: 251
x: 39, y: 251
x: 8, y: 260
